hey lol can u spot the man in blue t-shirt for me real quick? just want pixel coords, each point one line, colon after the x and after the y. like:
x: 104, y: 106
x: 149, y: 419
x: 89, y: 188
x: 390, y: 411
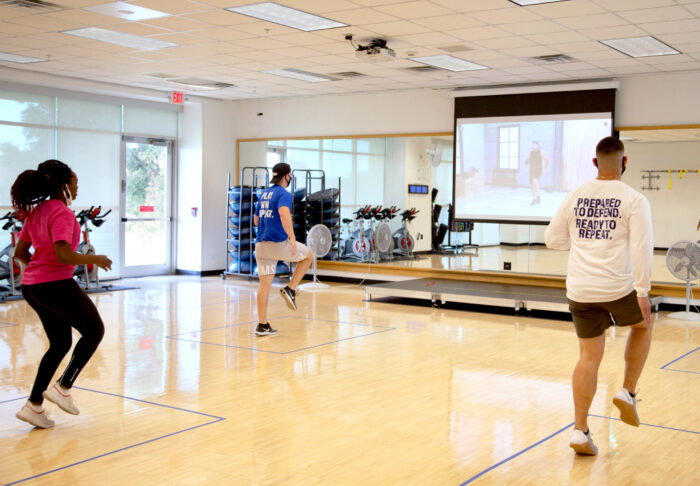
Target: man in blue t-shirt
x: 275, y: 242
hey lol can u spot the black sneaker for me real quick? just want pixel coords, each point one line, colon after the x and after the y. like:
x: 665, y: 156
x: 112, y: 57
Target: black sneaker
x: 264, y: 330
x: 289, y: 295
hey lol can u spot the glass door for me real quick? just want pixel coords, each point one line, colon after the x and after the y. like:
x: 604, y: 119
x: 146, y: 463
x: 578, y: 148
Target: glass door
x: 146, y: 202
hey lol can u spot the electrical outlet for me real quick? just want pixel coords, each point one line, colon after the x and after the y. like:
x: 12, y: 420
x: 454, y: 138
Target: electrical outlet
x: 506, y: 265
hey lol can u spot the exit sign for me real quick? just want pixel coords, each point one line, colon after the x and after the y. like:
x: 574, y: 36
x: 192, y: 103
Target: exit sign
x: 177, y: 98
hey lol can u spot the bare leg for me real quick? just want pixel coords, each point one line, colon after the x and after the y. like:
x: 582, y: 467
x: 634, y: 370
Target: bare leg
x: 636, y: 352
x: 263, y: 294
x: 585, y: 378
x: 301, y: 269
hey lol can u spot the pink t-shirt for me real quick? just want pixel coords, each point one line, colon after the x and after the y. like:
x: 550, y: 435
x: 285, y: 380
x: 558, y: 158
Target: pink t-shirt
x: 49, y: 222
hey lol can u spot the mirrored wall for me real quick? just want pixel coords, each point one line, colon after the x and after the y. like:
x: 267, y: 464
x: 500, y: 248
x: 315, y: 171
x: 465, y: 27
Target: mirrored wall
x: 376, y: 171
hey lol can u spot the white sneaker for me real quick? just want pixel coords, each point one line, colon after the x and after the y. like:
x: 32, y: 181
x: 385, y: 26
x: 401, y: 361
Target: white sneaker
x: 582, y: 443
x: 37, y: 419
x: 628, y: 407
x: 62, y: 398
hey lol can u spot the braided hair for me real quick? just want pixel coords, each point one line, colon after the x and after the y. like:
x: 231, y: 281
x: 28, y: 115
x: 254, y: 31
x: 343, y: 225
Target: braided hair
x: 34, y: 186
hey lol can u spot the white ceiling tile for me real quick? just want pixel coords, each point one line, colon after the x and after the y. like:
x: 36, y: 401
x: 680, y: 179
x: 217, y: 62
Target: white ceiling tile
x: 686, y: 66
x: 17, y: 29
x: 527, y: 69
x: 478, y: 33
x: 557, y: 38
x: 429, y: 39
x: 673, y: 59
x: 680, y: 38
x: 448, y: 22
x: 472, y: 5
x: 695, y: 8
x: 530, y: 51
x: 585, y: 46
x: 41, y: 22
x: 401, y: 27
x: 359, y: 16
x: 505, y: 43
x: 673, y: 27
x: 616, y: 63
x: 222, y: 34
x: 565, y: 67
x: 535, y: 27
x: 690, y: 48
x: 220, y: 17
x: 592, y: 21
x: 301, y: 39
x: 655, y: 14
x: 606, y: 33
x: 642, y: 69
x: 177, y: 23
x: 507, y: 64
x: 506, y: 15
x: 617, y: 5
x: 414, y: 10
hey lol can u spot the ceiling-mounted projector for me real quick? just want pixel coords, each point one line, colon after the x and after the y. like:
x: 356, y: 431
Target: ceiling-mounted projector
x: 376, y: 50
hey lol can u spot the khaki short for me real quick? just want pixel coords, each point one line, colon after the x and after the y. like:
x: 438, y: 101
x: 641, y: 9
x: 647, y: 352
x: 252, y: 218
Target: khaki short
x: 591, y: 319
x: 268, y: 253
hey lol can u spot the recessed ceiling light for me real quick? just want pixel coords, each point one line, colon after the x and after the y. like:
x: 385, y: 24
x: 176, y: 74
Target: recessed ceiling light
x: 300, y: 75
x: 127, y: 40
x: 527, y: 3
x: 290, y: 17
x: 640, y: 46
x: 450, y: 63
x: 123, y: 10
x: 6, y: 56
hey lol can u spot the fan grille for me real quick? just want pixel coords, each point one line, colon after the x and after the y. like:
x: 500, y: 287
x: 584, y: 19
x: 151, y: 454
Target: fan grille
x: 319, y: 240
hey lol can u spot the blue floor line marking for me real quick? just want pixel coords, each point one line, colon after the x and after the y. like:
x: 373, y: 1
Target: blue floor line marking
x: 647, y: 425
x: 194, y: 333
x: 683, y: 371
x: 216, y: 419
x: 281, y: 352
x: 14, y: 399
x: 474, y: 478
x: 678, y: 359
x: 8, y: 324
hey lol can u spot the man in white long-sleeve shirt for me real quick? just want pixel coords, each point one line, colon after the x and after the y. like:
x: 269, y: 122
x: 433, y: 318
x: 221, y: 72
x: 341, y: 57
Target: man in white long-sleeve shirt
x: 606, y: 226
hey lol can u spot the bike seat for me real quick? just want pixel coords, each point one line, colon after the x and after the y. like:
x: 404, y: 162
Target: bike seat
x: 346, y: 220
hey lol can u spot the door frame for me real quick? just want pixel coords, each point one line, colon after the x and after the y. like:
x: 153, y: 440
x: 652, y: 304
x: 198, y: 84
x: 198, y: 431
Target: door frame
x: 171, y: 201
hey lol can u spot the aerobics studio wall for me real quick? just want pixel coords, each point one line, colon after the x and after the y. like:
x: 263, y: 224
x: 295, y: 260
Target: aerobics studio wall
x: 86, y: 135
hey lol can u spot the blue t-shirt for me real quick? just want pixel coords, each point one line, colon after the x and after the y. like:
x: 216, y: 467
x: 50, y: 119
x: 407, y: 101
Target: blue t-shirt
x: 267, y: 210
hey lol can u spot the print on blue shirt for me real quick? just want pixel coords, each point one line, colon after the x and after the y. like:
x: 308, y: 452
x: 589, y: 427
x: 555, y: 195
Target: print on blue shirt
x: 596, y: 218
x: 267, y: 209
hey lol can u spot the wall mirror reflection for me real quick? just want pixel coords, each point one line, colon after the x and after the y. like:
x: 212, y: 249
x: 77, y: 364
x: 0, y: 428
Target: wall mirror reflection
x: 397, y: 196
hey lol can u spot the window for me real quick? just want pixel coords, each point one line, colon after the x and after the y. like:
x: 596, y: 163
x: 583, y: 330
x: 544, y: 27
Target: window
x: 508, y: 147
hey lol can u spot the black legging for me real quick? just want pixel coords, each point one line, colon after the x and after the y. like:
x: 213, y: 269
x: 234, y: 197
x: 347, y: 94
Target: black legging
x: 61, y: 305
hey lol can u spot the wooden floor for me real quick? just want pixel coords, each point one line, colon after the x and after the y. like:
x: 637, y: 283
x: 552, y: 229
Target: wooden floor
x: 180, y: 392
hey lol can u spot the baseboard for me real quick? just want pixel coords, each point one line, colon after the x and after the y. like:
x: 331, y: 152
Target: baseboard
x: 205, y: 273
x: 521, y: 244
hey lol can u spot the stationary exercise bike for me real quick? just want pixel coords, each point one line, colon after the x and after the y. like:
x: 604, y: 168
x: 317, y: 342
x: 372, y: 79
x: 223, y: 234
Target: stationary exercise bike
x: 87, y: 275
x: 11, y: 269
x: 357, y: 246
x: 403, y: 241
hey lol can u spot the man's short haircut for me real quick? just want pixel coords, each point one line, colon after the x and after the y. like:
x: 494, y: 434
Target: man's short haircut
x: 609, y: 146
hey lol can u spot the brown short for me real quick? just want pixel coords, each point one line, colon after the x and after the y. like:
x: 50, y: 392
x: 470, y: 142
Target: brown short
x: 593, y: 318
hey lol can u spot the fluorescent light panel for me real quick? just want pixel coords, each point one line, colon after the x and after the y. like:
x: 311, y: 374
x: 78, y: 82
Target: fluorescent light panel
x: 300, y: 75
x: 127, y: 40
x: 450, y: 63
x: 290, y: 17
x: 640, y: 46
x: 6, y: 56
x: 127, y: 11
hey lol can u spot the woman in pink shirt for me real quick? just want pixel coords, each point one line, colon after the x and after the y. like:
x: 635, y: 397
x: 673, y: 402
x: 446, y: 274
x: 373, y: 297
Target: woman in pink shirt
x: 41, y: 197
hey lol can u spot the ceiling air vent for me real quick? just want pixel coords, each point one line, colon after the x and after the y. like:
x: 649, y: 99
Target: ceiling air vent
x: 455, y: 48
x: 203, y: 84
x: 34, y: 4
x: 349, y: 74
x: 422, y: 69
x: 552, y: 59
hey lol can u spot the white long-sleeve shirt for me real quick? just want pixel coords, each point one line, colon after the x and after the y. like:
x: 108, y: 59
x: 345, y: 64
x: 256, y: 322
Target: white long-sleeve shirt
x: 607, y: 227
